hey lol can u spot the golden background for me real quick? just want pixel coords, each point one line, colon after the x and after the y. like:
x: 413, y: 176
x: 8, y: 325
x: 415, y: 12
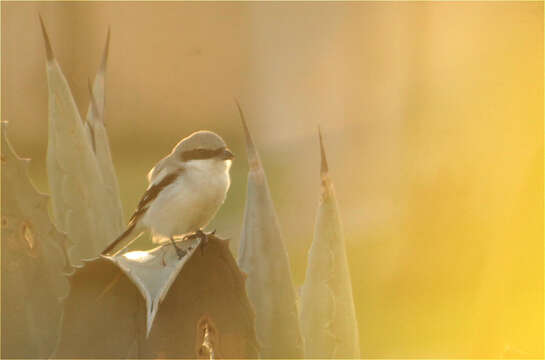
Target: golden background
x: 433, y: 121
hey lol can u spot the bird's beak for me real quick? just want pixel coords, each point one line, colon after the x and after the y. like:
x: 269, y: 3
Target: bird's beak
x: 228, y: 155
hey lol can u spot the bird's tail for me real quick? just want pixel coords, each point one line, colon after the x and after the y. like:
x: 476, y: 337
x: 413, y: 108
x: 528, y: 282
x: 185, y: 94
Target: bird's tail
x: 122, y: 241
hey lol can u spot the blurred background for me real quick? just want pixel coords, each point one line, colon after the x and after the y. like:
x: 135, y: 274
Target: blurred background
x: 432, y: 115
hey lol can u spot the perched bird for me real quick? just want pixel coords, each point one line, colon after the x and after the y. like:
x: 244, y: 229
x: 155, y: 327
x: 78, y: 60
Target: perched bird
x: 186, y: 189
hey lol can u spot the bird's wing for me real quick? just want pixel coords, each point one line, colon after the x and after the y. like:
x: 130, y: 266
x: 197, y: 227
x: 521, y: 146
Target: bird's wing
x: 151, y: 193
x: 153, y: 174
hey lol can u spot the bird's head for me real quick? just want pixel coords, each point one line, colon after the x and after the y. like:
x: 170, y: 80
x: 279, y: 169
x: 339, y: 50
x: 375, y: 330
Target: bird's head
x: 204, y: 150
x: 202, y: 145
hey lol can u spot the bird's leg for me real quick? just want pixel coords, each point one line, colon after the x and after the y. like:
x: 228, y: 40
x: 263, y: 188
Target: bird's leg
x: 204, y: 238
x: 163, y: 258
x: 181, y: 253
x: 199, y: 234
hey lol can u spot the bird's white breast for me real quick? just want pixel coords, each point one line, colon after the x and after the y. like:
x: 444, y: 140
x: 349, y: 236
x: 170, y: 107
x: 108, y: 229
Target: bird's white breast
x: 192, y: 200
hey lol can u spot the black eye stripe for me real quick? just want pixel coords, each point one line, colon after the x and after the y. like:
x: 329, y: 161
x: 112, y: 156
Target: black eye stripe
x: 200, y: 154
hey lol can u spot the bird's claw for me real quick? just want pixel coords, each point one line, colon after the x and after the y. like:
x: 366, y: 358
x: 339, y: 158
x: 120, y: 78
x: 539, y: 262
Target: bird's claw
x: 204, y: 239
x: 199, y: 234
x: 203, y: 236
x: 181, y: 253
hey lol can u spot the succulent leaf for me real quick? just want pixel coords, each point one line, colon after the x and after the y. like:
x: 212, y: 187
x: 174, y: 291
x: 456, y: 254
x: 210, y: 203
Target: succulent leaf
x: 34, y: 259
x: 83, y: 184
x: 328, y: 318
x: 263, y: 257
x: 96, y: 126
x: 207, y: 286
x: 154, y: 271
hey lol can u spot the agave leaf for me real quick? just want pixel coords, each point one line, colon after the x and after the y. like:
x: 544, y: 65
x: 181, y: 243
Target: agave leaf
x: 154, y: 271
x: 84, y: 204
x: 33, y: 260
x: 102, y: 314
x: 263, y: 257
x: 328, y: 318
x: 99, y: 140
x: 209, y: 289
x: 98, y: 85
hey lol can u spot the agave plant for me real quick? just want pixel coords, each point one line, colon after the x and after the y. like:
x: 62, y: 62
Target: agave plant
x: 63, y: 300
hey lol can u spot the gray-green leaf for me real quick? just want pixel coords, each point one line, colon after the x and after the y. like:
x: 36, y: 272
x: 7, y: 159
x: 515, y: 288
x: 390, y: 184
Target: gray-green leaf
x: 328, y: 317
x: 33, y: 261
x: 105, y: 313
x: 84, y: 190
x: 96, y: 126
x: 264, y: 258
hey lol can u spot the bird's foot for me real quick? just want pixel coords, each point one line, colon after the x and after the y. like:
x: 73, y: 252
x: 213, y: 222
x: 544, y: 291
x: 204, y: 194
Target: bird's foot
x: 181, y: 253
x: 204, y: 239
x: 199, y: 234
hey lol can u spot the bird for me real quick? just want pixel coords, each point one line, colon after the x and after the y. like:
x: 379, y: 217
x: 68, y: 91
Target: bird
x: 186, y: 189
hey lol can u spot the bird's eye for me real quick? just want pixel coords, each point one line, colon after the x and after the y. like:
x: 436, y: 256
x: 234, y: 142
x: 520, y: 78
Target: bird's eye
x: 195, y: 154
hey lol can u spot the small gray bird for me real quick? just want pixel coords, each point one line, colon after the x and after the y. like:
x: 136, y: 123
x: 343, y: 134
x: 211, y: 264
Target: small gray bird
x: 186, y: 189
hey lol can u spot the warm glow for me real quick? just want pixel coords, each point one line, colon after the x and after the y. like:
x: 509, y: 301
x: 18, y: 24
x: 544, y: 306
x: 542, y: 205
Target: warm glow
x: 139, y: 256
x: 432, y: 115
